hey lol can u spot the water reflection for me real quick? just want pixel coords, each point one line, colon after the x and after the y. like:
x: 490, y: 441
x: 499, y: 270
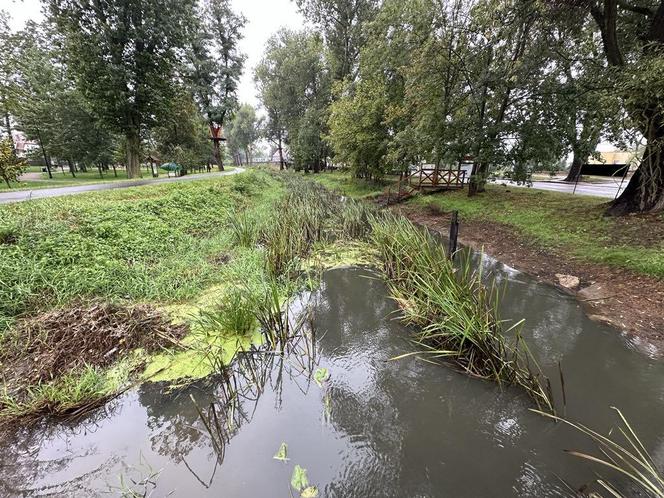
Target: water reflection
x: 376, y: 427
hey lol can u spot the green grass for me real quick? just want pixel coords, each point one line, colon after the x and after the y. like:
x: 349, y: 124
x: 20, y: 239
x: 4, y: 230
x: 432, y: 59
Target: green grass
x: 154, y: 244
x: 574, y: 225
x: 90, y: 177
x: 454, y: 312
x: 345, y: 184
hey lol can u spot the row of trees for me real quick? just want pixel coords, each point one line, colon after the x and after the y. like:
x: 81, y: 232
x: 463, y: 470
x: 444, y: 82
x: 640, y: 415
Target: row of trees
x: 378, y: 86
x: 101, y: 83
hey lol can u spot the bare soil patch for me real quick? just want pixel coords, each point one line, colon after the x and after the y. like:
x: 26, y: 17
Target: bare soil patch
x: 49, y: 345
x: 629, y: 301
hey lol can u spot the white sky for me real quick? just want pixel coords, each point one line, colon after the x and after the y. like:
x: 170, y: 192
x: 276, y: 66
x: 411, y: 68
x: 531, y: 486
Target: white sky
x: 264, y: 18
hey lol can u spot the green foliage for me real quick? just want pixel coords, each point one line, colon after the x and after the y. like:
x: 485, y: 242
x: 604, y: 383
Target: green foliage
x: 243, y: 132
x: 358, y: 134
x: 123, y: 55
x: 148, y: 243
x: 455, y: 312
x: 11, y: 167
x: 294, y: 84
x: 235, y: 315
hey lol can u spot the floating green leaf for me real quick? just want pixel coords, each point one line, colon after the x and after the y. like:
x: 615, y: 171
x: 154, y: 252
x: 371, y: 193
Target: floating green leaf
x: 321, y: 375
x: 281, y: 454
x: 310, y: 492
x: 299, y: 479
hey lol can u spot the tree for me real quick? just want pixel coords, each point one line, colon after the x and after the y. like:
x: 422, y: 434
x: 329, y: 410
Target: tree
x: 8, y: 66
x: 124, y: 55
x: 216, y: 66
x: 358, y: 134
x: 632, y: 35
x: 244, y: 132
x: 295, y: 84
x: 11, y: 167
x: 343, y: 25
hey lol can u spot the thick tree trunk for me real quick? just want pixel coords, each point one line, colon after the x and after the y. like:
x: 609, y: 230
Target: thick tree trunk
x: 478, y: 176
x: 281, y: 155
x: 133, y: 154
x: 575, y: 169
x: 645, y: 191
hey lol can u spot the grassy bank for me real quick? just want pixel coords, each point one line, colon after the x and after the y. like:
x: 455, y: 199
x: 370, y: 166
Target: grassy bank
x: 185, y: 275
x: 572, y: 225
x: 164, y: 246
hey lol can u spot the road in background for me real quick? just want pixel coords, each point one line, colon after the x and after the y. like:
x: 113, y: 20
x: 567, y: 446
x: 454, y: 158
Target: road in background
x: 26, y: 195
x: 606, y: 189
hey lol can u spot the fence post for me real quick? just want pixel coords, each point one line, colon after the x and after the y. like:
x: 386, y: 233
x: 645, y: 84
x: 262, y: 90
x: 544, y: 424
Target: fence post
x: 454, y: 234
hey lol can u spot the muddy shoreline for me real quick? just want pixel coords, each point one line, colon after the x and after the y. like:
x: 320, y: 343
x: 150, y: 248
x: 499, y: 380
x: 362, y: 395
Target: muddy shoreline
x: 630, y: 302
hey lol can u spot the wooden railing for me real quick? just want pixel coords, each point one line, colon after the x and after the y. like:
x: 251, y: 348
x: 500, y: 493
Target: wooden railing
x: 427, y: 179
x: 435, y: 178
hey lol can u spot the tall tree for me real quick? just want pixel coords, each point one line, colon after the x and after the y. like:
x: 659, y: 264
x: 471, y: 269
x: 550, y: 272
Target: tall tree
x: 8, y: 67
x: 11, y: 167
x: 296, y: 83
x: 343, y: 25
x: 245, y: 131
x: 632, y: 35
x: 124, y: 54
x: 216, y: 65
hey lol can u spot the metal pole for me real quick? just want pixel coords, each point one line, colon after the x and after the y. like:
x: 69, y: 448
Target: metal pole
x: 621, y: 181
x: 578, y: 177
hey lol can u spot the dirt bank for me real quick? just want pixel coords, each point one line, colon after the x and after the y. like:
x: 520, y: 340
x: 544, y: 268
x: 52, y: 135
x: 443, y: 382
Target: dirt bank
x: 631, y: 302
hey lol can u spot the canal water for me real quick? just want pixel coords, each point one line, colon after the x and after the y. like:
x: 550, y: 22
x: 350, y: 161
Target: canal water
x: 371, y: 426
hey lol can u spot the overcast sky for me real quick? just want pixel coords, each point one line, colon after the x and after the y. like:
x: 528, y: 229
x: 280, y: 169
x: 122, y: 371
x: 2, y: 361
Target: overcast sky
x: 264, y: 17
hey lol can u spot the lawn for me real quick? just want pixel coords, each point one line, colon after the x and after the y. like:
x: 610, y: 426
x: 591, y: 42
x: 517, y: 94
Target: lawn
x: 573, y: 224
x: 353, y: 187
x: 141, y: 243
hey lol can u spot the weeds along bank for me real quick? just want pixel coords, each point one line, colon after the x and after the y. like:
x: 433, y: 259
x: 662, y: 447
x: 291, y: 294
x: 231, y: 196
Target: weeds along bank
x: 168, y: 280
x: 167, y: 283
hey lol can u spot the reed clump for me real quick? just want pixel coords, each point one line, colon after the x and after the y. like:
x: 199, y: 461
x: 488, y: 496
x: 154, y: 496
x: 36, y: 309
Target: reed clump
x: 306, y: 215
x: 455, y: 313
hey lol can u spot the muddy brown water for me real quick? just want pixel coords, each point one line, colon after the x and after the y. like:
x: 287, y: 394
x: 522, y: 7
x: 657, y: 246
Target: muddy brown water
x: 376, y: 428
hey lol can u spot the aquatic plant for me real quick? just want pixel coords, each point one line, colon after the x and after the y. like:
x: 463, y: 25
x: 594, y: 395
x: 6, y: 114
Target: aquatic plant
x: 627, y: 457
x: 309, y: 214
x: 456, y: 314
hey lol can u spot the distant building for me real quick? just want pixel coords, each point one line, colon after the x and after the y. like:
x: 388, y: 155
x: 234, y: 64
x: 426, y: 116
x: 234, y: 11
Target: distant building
x: 22, y: 145
x: 617, y: 157
x: 612, y: 163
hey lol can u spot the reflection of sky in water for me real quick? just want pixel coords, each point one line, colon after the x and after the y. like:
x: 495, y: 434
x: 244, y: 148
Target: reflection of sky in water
x: 395, y: 428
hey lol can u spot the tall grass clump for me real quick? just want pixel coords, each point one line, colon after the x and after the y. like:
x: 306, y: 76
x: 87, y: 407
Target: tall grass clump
x: 624, y: 454
x: 307, y: 214
x: 455, y: 313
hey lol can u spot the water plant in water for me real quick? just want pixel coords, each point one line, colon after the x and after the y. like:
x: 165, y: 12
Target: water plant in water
x: 456, y: 314
x: 627, y: 457
x: 300, y: 482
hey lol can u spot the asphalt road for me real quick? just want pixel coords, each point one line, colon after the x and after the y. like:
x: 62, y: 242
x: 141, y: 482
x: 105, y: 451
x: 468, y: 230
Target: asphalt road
x: 26, y: 195
x: 606, y: 189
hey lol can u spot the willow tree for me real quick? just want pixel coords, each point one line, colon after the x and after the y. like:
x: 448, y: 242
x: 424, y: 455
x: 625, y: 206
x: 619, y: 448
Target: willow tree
x: 632, y: 34
x: 124, y: 55
x: 216, y: 65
